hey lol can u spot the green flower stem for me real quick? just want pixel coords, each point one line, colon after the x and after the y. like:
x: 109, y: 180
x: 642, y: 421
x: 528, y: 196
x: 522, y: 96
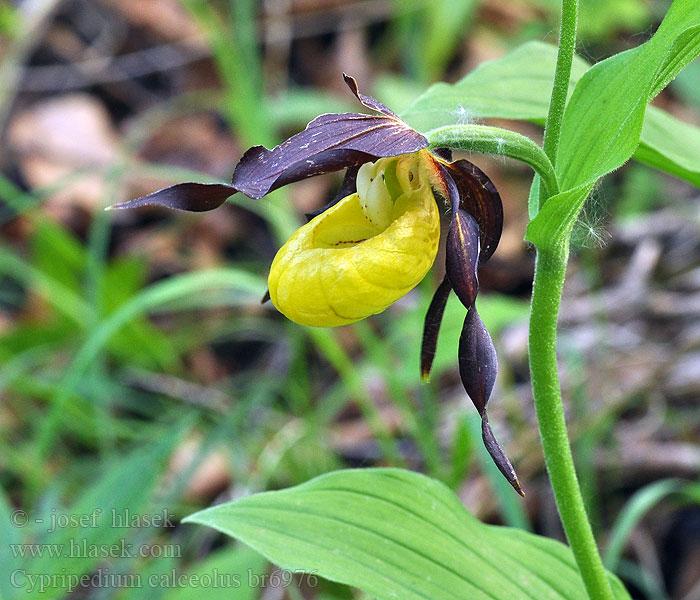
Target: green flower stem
x: 550, y: 271
x: 562, y: 73
x: 494, y: 140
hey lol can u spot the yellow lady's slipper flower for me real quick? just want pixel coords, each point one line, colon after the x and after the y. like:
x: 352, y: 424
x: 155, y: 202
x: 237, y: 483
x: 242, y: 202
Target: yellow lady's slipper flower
x: 379, y: 238
x: 360, y: 256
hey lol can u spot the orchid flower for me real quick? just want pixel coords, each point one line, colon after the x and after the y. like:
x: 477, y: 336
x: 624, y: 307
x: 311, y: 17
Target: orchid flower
x: 380, y: 235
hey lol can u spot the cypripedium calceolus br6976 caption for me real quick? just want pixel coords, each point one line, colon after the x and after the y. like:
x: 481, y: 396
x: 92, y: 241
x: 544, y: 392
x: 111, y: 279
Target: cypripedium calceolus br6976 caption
x: 379, y: 237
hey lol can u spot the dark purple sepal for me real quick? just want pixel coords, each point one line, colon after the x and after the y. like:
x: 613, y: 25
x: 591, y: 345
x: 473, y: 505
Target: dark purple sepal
x: 329, y: 143
x: 499, y: 456
x: 368, y: 101
x: 431, y: 327
x: 349, y: 186
x: 462, y: 256
x: 194, y: 197
x: 479, y: 197
x: 266, y: 298
x: 478, y: 363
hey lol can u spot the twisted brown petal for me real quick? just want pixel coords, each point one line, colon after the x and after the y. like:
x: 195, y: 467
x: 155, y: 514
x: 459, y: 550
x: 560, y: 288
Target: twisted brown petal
x: 431, y: 328
x: 479, y: 197
x: 196, y: 197
x: 499, y: 456
x: 462, y: 256
x: 478, y: 363
x: 478, y: 366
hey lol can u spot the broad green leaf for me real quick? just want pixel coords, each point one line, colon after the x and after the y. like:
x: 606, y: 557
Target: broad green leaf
x: 229, y: 574
x: 398, y: 534
x: 518, y: 86
x: 603, y: 119
x: 604, y: 116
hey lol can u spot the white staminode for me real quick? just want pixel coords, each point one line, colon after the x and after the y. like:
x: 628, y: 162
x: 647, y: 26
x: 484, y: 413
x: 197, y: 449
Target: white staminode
x: 375, y: 199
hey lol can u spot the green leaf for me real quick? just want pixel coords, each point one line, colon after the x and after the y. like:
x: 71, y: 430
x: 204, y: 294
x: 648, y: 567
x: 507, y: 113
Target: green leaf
x: 398, y: 534
x: 603, y: 119
x: 518, y: 86
x: 233, y: 572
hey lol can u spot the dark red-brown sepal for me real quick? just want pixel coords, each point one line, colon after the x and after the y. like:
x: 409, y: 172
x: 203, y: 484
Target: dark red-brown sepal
x: 478, y: 362
x: 431, y: 328
x: 499, y: 456
x: 330, y: 142
x: 478, y: 367
x: 479, y: 197
x: 195, y: 197
x: 462, y: 256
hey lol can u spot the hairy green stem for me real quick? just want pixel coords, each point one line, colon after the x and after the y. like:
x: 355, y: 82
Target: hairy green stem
x: 550, y: 271
x: 562, y: 74
x: 494, y: 140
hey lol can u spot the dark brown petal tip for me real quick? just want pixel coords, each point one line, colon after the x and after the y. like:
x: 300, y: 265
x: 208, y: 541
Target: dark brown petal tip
x: 329, y: 143
x: 462, y: 256
x: 266, y: 297
x: 478, y: 363
x: 368, y: 101
x: 479, y: 197
x: 499, y: 456
x: 431, y: 328
x: 349, y: 186
x: 195, y: 197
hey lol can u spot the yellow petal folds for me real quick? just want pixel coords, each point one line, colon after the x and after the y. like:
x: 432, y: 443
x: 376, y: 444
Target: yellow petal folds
x: 364, y: 253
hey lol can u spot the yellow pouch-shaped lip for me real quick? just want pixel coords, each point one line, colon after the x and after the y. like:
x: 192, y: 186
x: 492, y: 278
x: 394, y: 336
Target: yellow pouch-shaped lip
x: 342, y: 267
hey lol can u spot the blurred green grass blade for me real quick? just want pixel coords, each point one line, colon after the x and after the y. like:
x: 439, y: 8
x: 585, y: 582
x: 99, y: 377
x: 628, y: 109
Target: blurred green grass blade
x: 126, y: 484
x: 245, y: 289
x: 398, y: 534
x: 58, y: 254
x: 55, y: 293
x: 240, y: 565
x: 336, y: 355
x: 518, y: 86
x: 234, y: 45
x: 296, y: 106
x: 139, y: 342
x: 9, y: 534
x: 445, y: 24
x: 633, y: 512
